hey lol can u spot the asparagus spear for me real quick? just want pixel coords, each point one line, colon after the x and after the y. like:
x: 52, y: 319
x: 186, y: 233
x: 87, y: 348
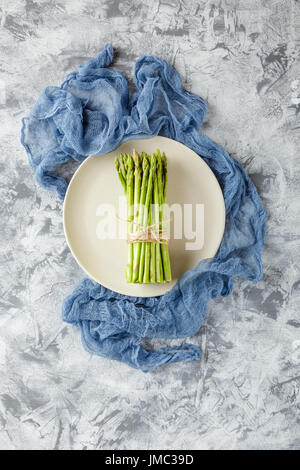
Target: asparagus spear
x: 164, y: 247
x: 146, y: 167
x: 164, y: 163
x: 160, y: 199
x: 137, y: 183
x: 129, y: 182
x: 122, y: 166
x: 146, y: 277
x: 120, y: 174
x: 152, y: 248
x: 146, y: 215
x: 123, y: 158
x: 137, y: 194
x: 158, y: 273
x: 159, y: 180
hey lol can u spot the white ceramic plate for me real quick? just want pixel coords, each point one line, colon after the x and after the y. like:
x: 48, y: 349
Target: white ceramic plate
x: 190, y: 181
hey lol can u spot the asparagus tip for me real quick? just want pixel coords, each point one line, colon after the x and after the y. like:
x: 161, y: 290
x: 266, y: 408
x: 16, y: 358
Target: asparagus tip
x: 136, y: 158
x: 145, y: 162
x: 129, y: 162
x: 153, y: 161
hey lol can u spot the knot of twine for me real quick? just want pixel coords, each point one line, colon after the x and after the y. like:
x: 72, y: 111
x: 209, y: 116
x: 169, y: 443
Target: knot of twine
x: 149, y: 233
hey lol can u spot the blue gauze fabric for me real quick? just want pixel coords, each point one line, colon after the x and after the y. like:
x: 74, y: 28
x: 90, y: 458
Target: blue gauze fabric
x: 92, y: 112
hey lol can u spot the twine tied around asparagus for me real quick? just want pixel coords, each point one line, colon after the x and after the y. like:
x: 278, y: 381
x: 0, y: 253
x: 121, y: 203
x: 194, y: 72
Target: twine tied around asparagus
x: 150, y: 233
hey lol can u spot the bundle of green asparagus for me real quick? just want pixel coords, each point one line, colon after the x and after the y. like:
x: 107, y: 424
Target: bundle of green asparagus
x: 144, y: 180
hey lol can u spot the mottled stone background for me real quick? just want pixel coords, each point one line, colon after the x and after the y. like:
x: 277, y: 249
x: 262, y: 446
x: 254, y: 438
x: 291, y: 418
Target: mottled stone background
x: 242, y: 56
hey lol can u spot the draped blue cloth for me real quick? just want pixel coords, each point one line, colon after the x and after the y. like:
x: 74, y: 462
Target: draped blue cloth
x: 91, y: 113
